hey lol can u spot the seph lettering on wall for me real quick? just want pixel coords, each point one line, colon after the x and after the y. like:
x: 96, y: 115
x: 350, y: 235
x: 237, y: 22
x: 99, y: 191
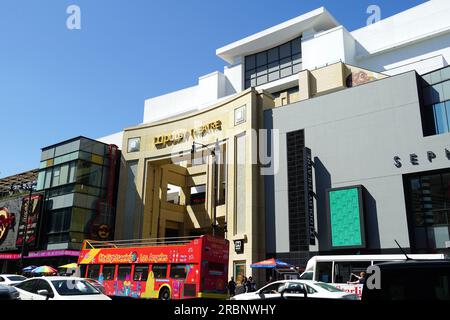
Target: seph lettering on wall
x: 416, y: 159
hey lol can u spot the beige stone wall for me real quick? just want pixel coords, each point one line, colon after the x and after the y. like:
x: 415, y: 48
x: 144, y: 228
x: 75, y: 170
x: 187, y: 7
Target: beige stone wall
x: 155, y: 171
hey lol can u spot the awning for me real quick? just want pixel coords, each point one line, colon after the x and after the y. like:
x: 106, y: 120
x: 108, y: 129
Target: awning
x: 271, y: 264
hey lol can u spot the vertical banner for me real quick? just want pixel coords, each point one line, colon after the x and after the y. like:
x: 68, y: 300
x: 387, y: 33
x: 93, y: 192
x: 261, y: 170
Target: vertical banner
x: 309, y: 194
x: 29, y: 221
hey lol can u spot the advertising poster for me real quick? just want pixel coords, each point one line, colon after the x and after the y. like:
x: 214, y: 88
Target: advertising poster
x: 29, y: 220
x: 9, y: 220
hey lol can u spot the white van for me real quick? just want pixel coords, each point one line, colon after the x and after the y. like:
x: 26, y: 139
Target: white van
x: 340, y: 269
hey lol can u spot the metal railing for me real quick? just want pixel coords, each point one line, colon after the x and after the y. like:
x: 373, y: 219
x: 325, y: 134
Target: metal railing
x: 93, y: 244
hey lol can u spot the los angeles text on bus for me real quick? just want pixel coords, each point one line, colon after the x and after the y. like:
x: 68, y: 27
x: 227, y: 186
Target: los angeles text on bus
x: 178, y: 268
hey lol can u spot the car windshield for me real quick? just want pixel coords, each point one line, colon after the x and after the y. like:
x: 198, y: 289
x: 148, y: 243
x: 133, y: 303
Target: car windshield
x: 74, y: 287
x: 328, y: 287
x: 16, y: 278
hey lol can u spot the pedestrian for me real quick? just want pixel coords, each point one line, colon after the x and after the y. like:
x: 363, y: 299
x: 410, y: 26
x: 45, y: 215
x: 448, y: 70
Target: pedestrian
x: 361, y: 279
x: 270, y: 280
x: 245, y: 283
x: 240, y: 288
x: 231, y: 287
x: 251, y: 284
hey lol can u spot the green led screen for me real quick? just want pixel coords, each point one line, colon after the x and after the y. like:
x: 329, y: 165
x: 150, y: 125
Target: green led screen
x: 345, y: 217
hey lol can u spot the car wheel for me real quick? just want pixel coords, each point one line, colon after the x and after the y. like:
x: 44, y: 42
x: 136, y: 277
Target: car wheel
x: 164, y: 294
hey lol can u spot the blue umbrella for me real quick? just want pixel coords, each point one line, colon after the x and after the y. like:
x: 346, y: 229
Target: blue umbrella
x: 29, y: 268
x: 271, y: 263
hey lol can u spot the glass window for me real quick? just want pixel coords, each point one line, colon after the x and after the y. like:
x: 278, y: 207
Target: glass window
x: 159, y: 271
x: 429, y: 209
x: 272, y: 55
x: 89, y: 173
x: 64, y: 174
x: 108, y: 271
x: 261, y: 80
x: 74, y: 287
x: 178, y: 271
x: 43, y: 285
x: 264, y: 67
x: 72, y: 171
x: 134, y: 144
x: 285, y: 72
x: 296, y: 46
x: 261, y: 59
x: 285, y: 50
x: 48, y: 178
x: 124, y: 272
x: 59, y: 220
x: 140, y: 272
x: 93, y: 271
x: 250, y: 62
x: 28, y: 285
x: 323, y: 271
x: 40, y: 180
x: 349, y: 271
x: 272, y: 288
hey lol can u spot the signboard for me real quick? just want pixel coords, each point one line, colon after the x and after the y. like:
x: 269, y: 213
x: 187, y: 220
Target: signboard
x: 309, y: 195
x: 345, y: 213
x: 239, y: 246
x: 9, y: 217
x: 29, y: 220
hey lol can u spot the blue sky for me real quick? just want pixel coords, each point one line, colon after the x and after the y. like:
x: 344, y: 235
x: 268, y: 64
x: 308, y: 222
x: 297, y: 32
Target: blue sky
x: 56, y: 83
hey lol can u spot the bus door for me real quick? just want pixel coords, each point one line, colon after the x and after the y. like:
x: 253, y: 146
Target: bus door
x: 178, y: 274
x: 123, y: 283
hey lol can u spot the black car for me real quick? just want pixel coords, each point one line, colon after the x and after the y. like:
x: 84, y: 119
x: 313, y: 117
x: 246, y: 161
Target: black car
x: 409, y: 280
x: 9, y: 293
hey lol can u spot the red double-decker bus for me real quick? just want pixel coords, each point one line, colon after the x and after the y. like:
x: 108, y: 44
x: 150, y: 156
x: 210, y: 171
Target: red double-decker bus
x: 171, y: 268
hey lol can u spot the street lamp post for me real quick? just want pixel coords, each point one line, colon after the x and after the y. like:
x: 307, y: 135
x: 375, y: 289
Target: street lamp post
x: 29, y: 187
x: 215, y: 173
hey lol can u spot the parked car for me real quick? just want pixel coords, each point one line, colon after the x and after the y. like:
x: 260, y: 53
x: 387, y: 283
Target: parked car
x: 10, y: 279
x: 9, y: 293
x: 97, y: 285
x: 294, y: 289
x: 409, y: 280
x: 58, y: 288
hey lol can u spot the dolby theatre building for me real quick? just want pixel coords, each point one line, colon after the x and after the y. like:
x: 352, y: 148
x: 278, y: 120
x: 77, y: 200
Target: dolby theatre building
x: 313, y: 140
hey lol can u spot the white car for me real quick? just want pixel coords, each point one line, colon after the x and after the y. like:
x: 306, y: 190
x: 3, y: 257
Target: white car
x: 10, y: 279
x: 296, y: 288
x: 58, y: 288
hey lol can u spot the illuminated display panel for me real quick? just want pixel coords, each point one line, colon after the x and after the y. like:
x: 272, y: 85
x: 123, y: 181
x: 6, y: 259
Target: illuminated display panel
x: 346, y: 220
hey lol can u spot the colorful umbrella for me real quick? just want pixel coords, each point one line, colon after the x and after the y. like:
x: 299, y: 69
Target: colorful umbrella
x: 44, y: 269
x: 29, y: 268
x: 69, y: 266
x: 271, y: 263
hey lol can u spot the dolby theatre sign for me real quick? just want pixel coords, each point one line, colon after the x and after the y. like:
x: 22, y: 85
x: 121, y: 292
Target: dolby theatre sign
x: 181, y: 135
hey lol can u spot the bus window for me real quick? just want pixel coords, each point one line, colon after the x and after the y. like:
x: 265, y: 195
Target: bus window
x: 159, y: 271
x: 178, y: 271
x: 140, y: 272
x: 83, y: 268
x: 123, y: 272
x: 323, y: 271
x: 93, y: 271
x: 346, y: 271
x: 108, y: 272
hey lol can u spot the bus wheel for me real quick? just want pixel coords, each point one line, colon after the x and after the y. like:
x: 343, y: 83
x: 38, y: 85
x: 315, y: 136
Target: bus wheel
x: 164, y: 294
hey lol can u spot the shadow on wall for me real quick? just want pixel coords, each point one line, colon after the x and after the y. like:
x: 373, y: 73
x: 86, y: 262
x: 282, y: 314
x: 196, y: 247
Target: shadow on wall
x: 269, y: 191
x: 131, y: 213
x: 371, y: 220
x: 323, y: 182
